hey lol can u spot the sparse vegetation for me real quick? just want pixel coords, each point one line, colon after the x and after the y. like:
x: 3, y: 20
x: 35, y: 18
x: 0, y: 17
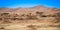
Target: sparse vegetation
x: 58, y: 17
x: 40, y: 13
x: 38, y: 17
x: 43, y: 16
x: 2, y: 28
x: 0, y: 18
x: 32, y: 27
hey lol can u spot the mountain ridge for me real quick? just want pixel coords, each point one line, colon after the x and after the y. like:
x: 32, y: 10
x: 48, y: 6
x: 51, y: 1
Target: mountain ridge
x: 36, y: 8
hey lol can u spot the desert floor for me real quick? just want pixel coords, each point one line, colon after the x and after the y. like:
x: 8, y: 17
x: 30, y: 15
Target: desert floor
x: 23, y: 25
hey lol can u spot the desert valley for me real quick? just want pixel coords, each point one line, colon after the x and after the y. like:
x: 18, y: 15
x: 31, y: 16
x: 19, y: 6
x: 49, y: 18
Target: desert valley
x: 34, y: 18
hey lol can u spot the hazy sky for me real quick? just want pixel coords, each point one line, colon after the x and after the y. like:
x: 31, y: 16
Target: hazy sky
x: 29, y: 3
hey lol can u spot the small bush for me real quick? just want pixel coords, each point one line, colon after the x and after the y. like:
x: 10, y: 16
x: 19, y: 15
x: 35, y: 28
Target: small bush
x: 0, y: 18
x: 43, y: 16
x: 2, y: 28
x: 39, y: 12
x: 32, y: 27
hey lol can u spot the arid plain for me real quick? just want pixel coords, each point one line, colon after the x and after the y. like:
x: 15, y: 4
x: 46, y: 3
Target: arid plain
x: 35, y: 18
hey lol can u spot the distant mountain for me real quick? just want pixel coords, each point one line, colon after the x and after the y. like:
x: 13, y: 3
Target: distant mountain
x: 32, y: 9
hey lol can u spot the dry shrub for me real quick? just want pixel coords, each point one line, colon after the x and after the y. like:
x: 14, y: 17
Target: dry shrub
x: 2, y: 28
x: 32, y: 27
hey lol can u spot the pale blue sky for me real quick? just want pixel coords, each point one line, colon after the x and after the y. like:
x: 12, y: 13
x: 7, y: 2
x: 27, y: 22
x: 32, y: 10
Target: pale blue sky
x: 29, y: 3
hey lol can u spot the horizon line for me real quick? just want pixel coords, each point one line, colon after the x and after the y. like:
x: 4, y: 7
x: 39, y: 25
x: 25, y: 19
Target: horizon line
x: 31, y: 6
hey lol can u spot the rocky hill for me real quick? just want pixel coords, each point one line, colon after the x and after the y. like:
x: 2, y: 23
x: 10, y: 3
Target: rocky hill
x: 36, y: 12
x: 29, y: 18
